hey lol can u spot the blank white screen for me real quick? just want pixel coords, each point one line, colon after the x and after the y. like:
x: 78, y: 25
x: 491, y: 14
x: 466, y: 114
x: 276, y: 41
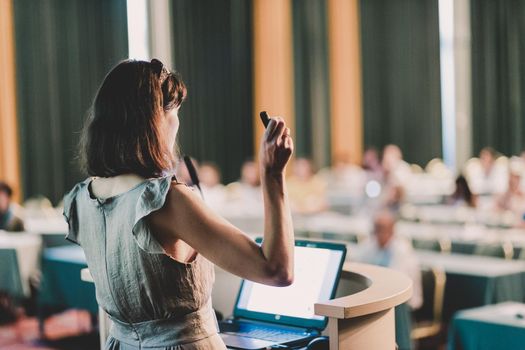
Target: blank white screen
x: 315, y: 273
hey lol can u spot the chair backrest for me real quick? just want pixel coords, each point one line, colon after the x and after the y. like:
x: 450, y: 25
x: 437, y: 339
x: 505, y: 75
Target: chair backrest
x: 433, y: 281
x: 436, y: 245
x: 343, y: 237
x: 503, y: 250
x: 302, y: 233
x: 10, y: 281
x: 521, y: 254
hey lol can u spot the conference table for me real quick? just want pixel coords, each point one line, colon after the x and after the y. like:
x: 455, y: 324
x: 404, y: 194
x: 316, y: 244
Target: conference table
x: 52, y: 230
x: 21, y: 253
x: 474, y: 281
x: 464, y: 238
x: 61, y: 284
x: 500, y: 326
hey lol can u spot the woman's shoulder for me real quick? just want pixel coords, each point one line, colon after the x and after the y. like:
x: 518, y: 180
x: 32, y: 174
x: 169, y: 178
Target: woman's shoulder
x: 181, y: 194
x: 70, y: 196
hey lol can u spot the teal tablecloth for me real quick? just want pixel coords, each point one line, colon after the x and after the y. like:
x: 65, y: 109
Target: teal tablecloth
x: 61, y: 283
x: 10, y: 280
x: 474, y: 281
x: 494, y: 327
x: 403, y: 317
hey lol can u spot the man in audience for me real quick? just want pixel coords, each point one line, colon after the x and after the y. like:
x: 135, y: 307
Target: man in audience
x: 396, y: 177
x: 245, y: 196
x: 489, y: 176
x: 385, y: 249
x: 394, y: 167
x: 9, y: 220
x: 214, y: 192
x: 514, y: 198
x: 343, y: 177
x: 372, y: 164
x: 307, y: 191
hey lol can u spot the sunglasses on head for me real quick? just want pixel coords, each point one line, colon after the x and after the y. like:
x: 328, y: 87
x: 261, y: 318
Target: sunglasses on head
x: 159, y: 69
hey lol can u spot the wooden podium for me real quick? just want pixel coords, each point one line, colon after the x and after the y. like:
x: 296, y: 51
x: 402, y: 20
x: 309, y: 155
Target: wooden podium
x: 365, y: 319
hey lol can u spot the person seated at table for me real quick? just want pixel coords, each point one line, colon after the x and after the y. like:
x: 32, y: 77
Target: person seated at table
x: 385, y: 249
x: 343, y: 177
x: 372, y: 164
x: 150, y: 242
x: 392, y: 196
x: 307, y: 190
x: 395, y: 168
x: 462, y: 195
x: 487, y: 177
x: 513, y: 199
x: 10, y: 219
x: 213, y: 190
x: 245, y: 196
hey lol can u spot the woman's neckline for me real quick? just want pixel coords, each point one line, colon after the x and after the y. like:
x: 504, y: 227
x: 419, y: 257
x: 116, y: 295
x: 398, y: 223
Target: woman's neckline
x: 131, y: 188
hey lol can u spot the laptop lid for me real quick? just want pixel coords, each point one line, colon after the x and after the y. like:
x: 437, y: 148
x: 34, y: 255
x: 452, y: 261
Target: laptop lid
x: 316, y: 276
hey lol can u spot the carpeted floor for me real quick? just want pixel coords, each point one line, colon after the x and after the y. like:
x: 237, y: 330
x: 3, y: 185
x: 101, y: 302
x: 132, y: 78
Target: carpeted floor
x: 70, y: 330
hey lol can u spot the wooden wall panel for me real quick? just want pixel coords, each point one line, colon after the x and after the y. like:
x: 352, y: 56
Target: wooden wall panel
x: 9, y: 157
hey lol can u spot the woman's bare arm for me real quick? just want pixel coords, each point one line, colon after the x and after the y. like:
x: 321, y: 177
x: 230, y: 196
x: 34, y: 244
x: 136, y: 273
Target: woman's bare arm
x: 187, y: 218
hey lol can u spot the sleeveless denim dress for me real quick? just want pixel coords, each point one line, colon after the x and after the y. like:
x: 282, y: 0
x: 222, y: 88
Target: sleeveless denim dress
x: 154, y: 301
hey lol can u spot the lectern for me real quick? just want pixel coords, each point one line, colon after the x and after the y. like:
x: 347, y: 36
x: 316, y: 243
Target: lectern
x: 365, y: 319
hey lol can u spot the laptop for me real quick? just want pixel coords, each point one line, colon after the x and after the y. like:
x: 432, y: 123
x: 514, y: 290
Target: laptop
x: 268, y: 317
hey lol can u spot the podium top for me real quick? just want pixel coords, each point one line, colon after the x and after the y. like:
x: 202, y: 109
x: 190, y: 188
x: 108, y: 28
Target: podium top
x: 383, y: 289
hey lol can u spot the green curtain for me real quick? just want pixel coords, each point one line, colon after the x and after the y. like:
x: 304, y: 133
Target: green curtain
x: 401, y: 76
x: 213, y: 53
x: 64, y: 48
x: 498, y: 75
x: 311, y: 77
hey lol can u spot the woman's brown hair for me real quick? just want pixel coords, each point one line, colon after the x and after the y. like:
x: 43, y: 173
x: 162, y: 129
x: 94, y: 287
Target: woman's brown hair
x: 124, y: 130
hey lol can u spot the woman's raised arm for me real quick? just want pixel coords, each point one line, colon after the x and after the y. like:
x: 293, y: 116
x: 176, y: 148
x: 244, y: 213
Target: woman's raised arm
x: 186, y: 217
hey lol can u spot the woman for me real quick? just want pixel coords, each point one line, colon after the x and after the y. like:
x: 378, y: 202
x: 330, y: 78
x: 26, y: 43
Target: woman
x: 150, y: 242
x: 462, y: 194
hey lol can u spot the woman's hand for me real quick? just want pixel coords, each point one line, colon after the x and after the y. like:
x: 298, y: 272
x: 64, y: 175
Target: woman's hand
x: 276, y: 147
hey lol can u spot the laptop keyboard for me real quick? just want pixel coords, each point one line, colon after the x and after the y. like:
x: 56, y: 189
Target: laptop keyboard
x: 269, y: 333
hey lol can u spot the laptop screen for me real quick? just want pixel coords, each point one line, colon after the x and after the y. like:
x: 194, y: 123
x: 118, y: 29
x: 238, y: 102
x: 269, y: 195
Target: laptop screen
x: 317, y: 269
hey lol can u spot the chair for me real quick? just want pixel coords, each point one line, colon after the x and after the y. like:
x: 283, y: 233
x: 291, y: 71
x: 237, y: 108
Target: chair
x: 302, y: 233
x: 343, y: 237
x: 39, y: 207
x: 428, y: 318
x: 416, y: 169
x: 437, y: 245
x: 521, y: 255
x: 503, y: 250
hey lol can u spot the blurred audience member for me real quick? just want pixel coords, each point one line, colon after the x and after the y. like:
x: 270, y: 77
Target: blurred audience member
x: 344, y: 177
x: 372, y: 164
x: 393, y: 196
x: 307, y: 190
x: 395, y: 169
x: 488, y: 175
x: 245, y: 196
x: 487, y: 158
x: 9, y: 220
x: 213, y: 191
x: 514, y: 198
x: 462, y: 195
x: 385, y: 249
